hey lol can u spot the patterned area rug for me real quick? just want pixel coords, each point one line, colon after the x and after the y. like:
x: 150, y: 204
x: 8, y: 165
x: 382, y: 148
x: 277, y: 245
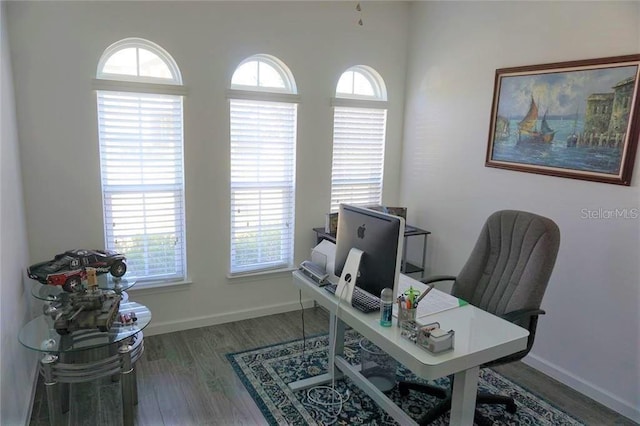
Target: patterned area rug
x: 266, y: 372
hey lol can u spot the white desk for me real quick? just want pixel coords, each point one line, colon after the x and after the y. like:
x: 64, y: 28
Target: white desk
x: 480, y: 337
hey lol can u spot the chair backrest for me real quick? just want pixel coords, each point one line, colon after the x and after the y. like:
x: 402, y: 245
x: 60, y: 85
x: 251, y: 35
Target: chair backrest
x: 511, y: 263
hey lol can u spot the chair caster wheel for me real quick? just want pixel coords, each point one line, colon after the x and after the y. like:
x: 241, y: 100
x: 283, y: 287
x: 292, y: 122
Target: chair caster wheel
x: 403, y: 389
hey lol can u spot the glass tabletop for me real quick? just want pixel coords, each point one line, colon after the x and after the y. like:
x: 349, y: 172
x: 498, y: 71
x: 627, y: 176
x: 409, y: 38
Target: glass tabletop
x: 105, y: 282
x: 40, y: 335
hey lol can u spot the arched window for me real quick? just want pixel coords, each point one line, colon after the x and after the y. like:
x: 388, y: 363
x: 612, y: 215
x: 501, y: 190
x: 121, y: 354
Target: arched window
x: 263, y: 73
x: 140, y: 128
x: 135, y: 59
x: 359, y: 132
x: 361, y: 82
x: 263, y: 114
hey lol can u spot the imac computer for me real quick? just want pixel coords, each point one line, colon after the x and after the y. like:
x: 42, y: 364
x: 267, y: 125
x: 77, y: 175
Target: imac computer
x: 368, y: 253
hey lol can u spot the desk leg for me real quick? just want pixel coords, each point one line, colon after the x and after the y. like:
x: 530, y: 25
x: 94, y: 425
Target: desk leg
x: 463, y: 399
x: 127, y: 382
x: 53, y: 390
x: 336, y: 334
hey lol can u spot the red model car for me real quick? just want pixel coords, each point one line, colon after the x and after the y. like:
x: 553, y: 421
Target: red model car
x: 68, y: 269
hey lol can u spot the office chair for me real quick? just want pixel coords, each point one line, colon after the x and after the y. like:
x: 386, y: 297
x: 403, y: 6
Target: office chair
x: 506, y: 274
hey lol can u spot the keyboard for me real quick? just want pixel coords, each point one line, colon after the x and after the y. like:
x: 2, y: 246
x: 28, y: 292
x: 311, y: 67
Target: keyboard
x: 361, y: 300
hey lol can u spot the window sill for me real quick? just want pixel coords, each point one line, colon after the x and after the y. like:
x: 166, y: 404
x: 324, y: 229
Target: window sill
x: 259, y: 276
x: 157, y: 287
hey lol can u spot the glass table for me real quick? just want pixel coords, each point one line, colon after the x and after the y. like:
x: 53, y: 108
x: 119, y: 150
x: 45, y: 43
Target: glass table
x: 105, y: 282
x: 86, y: 355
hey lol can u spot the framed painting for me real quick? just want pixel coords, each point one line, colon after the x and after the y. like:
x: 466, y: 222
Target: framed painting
x: 574, y: 119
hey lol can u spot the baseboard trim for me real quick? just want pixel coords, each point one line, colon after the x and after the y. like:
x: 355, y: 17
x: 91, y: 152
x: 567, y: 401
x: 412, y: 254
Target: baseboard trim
x: 595, y: 392
x: 205, y: 321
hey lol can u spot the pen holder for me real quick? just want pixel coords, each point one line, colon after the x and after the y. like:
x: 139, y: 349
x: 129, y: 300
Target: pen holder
x: 405, y: 314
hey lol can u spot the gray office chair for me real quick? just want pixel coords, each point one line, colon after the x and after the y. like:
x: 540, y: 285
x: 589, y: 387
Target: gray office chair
x: 506, y: 274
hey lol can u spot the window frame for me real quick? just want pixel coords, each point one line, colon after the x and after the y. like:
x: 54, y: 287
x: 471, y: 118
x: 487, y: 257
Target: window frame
x: 145, y: 85
x: 262, y: 94
x: 352, y: 100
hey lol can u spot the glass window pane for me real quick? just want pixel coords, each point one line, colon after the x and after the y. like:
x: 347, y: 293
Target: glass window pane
x: 345, y: 84
x: 361, y: 85
x: 269, y: 77
x: 122, y: 62
x: 246, y: 74
x: 152, y: 66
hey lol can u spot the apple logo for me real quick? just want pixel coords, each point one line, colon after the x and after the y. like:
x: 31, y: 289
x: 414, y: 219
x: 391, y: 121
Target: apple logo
x: 361, y: 230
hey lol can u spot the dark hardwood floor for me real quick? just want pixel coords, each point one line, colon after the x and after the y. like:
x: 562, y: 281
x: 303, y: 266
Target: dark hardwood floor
x: 185, y: 379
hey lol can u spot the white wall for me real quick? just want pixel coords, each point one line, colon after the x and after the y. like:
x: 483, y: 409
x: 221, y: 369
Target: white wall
x: 55, y: 48
x: 17, y: 363
x: 590, y: 337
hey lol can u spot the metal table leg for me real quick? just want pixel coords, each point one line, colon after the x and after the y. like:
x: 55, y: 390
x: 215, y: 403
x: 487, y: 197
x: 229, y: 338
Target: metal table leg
x: 127, y: 382
x: 403, y: 265
x: 53, y: 390
x: 424, y: 257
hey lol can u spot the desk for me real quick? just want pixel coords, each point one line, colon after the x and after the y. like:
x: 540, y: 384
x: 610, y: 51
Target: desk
x: 480, y: 337
x: 410, y: 231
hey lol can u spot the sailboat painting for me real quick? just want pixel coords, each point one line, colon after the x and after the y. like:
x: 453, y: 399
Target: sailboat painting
x: 528, y: 131
x: 577, y: 119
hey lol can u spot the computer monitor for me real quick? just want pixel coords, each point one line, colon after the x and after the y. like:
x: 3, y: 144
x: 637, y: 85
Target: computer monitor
x: 380, y: 237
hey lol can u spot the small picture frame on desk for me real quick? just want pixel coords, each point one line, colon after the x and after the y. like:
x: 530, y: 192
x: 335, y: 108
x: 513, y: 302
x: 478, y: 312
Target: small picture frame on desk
x: 331, y: 223
x: 398, y: 211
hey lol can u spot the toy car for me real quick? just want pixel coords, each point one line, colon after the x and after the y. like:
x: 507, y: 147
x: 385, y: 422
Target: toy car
x: 68, y: 269
x: 127, y: 318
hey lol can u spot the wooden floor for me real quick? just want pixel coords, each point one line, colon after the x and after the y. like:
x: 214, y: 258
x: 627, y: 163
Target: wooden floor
x: 185, y: 379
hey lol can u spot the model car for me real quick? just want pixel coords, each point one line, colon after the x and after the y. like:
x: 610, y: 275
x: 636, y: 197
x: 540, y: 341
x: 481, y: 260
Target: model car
x: 127, y: 318
x: 68, y: 269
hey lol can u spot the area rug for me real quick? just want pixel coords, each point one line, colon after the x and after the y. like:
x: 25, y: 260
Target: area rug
x: 266, y: 372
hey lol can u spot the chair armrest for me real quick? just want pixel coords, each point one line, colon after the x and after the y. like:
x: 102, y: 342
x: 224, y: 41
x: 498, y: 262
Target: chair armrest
x: 437, y: 278
x: 522, y: 314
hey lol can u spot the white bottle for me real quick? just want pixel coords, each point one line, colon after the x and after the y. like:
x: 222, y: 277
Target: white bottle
x: 386, y: 307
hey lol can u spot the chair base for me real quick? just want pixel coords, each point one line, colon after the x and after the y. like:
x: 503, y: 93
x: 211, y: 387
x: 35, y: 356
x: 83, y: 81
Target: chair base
x: 445, y: 405
x: 405, y: 387
x: 507, y: 401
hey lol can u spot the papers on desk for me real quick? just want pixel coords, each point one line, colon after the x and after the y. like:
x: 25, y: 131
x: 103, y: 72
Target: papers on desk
x: 434, y: 302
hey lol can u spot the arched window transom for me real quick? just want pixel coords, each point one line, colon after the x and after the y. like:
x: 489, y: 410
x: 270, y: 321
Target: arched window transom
x: 361, y: 82
x: 263, y: 73
x: 136, y: 59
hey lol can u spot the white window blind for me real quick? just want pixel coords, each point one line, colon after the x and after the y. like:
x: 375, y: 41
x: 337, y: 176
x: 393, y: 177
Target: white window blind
x: 358, y: 156
x: 141, y: 157
x: 263, y: 137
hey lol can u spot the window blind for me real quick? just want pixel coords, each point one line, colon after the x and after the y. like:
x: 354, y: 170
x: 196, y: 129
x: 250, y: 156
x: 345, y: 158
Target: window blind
x: 141, y: 158
x: 358, y: 156
x: 263, y: 136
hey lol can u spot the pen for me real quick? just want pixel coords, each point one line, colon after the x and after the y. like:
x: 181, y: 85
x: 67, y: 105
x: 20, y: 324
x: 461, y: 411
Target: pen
x: 429, y: 288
